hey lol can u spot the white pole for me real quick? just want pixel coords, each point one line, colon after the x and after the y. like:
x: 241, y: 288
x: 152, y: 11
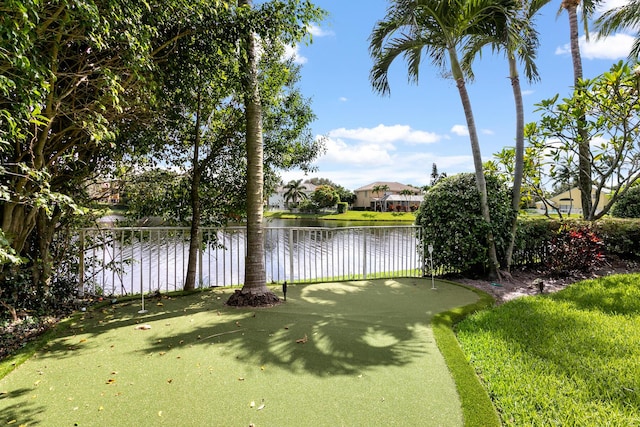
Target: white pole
x: 430, y: 249
x: 142, y: 294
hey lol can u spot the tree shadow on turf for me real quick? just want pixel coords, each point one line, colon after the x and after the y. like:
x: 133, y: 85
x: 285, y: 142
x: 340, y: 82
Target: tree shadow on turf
x: 25, y: 412
x: 323, y: 329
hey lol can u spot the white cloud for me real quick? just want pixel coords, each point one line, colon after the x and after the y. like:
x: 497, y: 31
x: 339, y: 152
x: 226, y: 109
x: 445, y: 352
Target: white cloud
x: 382, y: 134
x: 616, y: 46
x: 294, y: 52
x: 371, y: 154
x: 460, y: 130
x: 316, y: 31
x: 487, y: 132
x: 528, y: 92
x: 610, y: 4
x: 343, y: 99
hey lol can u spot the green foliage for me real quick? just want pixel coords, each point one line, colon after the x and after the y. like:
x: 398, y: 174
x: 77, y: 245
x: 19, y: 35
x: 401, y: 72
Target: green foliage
x: 573, y: 249
x: 628, y: 205
x: 452, y: 222
x: 8, y: 255
x: 325, y: 196
x: 621, y: 237
x: 570, y: 358
x: 607, y: 110
x: 343, y: 207
x: 295, y: 191
x: 308, y: 206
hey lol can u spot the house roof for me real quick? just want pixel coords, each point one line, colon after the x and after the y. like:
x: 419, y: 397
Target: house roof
x: 309, y: 188
x: 395, y: 187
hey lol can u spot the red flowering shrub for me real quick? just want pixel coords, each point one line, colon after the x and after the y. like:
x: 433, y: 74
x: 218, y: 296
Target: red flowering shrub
x: 574, y: 249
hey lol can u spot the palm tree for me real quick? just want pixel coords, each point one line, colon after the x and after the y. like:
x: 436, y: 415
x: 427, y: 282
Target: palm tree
x: 379, y: 189
x: 626, y: 16
x: 584, y: 152
x: 440, y: 29
x: 406, y: 193
x: 515, y: 35
x: 295, y: 191
x: 254, y: 292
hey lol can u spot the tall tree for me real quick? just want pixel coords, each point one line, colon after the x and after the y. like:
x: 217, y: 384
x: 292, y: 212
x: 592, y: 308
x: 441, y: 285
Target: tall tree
x: 440, y: 29
x: 89, y: 73
x: 280, y: 22
x: 612, y: 101
x: 584, y: 154
x: 515, y: 35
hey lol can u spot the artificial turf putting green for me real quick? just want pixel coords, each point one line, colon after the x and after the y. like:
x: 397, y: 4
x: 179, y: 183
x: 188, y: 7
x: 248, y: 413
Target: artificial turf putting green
x: 335, y: 354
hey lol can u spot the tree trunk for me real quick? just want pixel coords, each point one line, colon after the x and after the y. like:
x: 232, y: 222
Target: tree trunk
x: 254, y: 291
x: 584, y: 152
x: 477, y: 162
x: 194, y: 238
x: 519, y: 159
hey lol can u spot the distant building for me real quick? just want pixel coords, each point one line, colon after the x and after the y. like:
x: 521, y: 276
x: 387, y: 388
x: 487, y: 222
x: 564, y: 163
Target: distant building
x: 570, y: 202
x: 276, y: 200
x: 389, y: 200
x: 107, y: 192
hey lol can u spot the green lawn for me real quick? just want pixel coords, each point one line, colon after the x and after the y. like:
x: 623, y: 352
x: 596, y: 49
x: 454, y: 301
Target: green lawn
x: 567, y: 359
x: 335, y: 354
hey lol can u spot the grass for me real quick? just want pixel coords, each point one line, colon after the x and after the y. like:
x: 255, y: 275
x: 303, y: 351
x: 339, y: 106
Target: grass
x: 477, y: 407
x: 351, y: 353
x: 348, y: 216
x: 570, y: 358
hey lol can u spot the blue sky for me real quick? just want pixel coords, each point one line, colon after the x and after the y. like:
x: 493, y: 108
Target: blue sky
x: 398, y: 137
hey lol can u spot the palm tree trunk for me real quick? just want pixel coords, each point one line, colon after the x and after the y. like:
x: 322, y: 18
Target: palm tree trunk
x: 477, y: 162
x: 584, y: 152
x: 254, y: 291
x: 518, y: 171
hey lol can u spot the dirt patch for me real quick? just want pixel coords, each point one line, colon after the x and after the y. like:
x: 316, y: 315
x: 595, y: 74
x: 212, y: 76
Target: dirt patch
x: 535, y: 281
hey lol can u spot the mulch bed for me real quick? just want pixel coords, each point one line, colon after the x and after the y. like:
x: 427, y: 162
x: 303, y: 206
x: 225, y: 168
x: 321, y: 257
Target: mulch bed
x: 15, y: 335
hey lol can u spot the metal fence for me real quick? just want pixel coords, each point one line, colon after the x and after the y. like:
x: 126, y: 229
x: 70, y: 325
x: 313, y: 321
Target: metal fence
x: 129, y: 260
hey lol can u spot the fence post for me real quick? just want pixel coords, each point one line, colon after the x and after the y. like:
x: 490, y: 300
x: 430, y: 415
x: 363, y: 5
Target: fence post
x: 81, y: 266
x: 364, y: 253
x: 290, y: 255
x: 200, y: 250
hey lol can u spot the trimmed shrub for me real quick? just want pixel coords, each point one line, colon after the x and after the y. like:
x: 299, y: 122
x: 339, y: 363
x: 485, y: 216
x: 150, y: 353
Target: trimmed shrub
x: 621, y: 237
x: 343, y: 207
x: 308, y: 206
x: 628, y: 206
x: 452, y: 222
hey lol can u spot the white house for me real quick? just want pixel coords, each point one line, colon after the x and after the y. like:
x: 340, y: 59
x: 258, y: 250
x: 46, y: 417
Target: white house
x: 276, y: 200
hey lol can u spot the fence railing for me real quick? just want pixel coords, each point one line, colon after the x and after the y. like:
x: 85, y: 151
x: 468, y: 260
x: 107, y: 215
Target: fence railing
x: 129, y: 260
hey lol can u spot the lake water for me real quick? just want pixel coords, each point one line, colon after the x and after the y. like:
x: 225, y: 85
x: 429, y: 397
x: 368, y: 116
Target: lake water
x: 128, y: 260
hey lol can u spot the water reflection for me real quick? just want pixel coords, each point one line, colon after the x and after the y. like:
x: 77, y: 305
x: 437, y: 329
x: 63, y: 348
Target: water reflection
x: 127, y: 260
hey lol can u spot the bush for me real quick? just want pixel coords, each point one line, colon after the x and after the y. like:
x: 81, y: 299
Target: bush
x: 621, y: 237
x: 452, y: 221
x: 343, y: 207
x: 575, y: 248
x: 628, y: 206
x: 308, y: 206
x: 325, y: 196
